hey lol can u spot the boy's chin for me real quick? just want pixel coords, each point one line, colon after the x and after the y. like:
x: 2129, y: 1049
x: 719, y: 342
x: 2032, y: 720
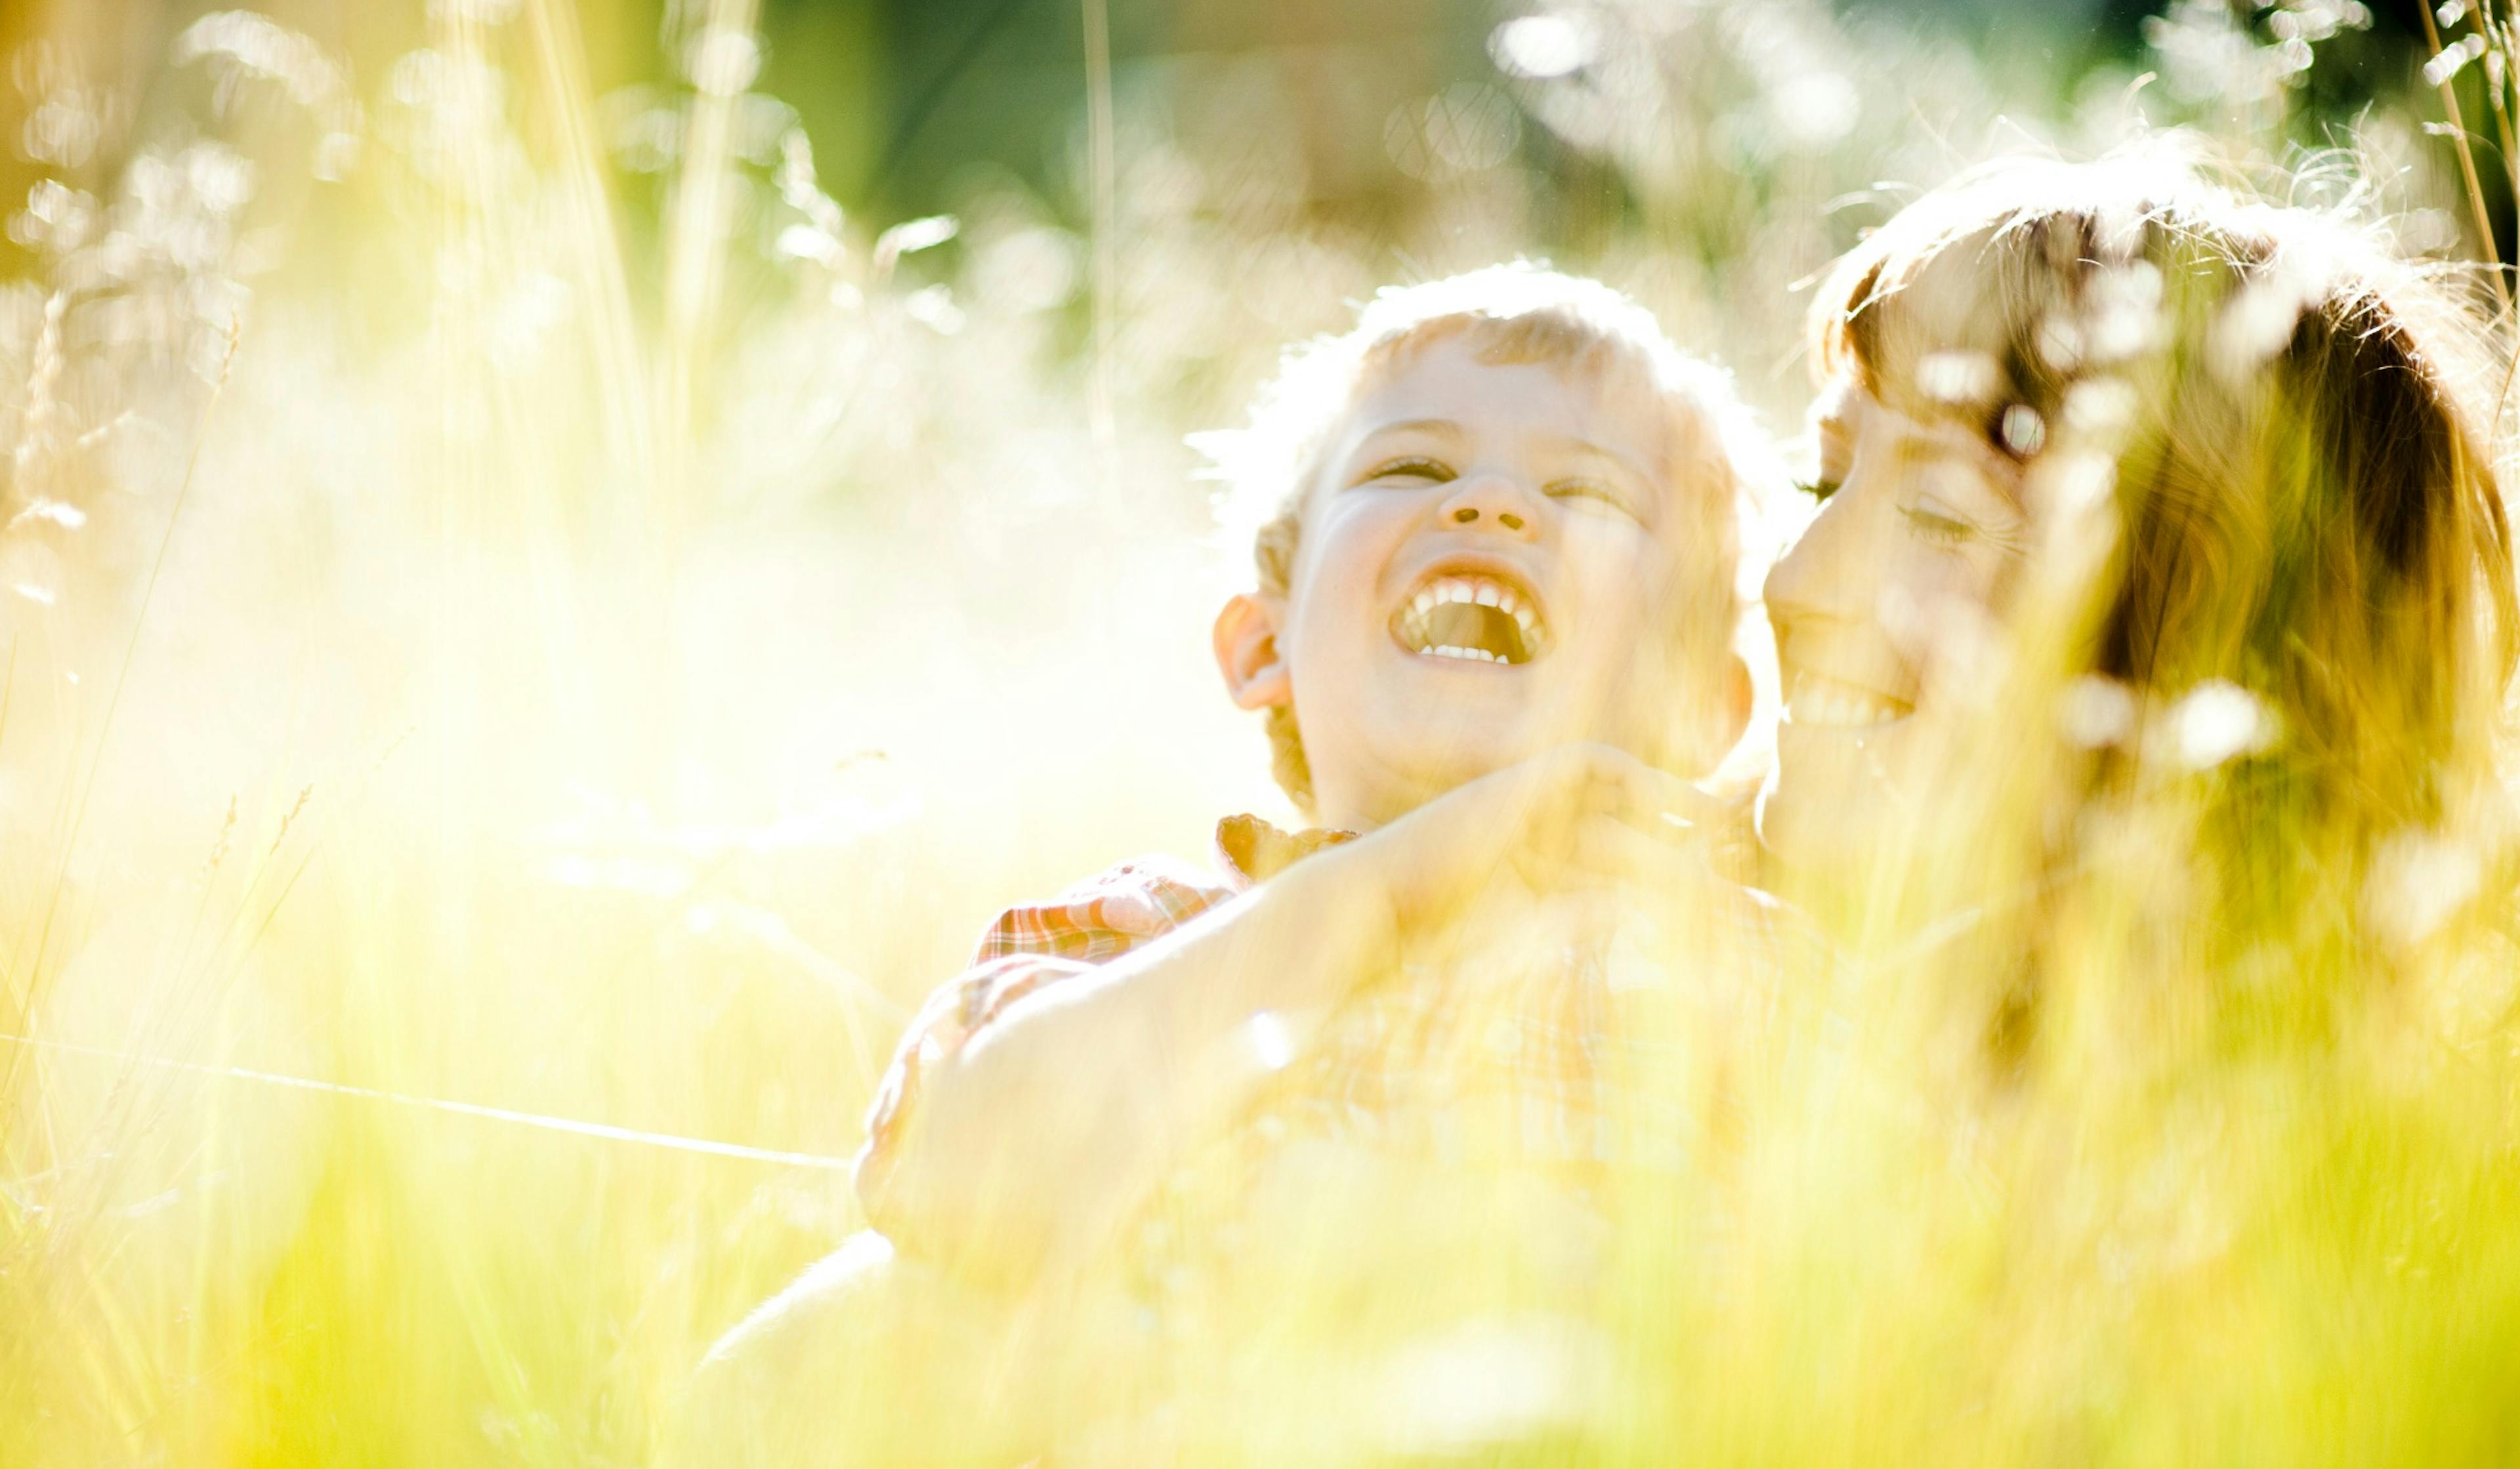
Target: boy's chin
x: 1437, y: 760
x: 1487, y: 738
x: 1460, y: 745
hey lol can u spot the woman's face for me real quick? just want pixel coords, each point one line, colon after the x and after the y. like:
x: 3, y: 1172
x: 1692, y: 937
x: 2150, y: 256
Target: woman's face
x: 1882, y: 611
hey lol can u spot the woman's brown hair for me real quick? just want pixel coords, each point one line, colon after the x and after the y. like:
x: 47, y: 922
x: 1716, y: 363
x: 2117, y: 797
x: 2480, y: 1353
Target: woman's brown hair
x: 2295, y: 429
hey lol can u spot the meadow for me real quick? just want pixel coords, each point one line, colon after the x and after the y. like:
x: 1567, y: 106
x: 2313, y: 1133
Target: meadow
x: 538, y: 625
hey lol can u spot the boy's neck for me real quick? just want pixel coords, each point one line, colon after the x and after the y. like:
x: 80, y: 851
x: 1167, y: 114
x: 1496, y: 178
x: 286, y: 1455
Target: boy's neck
x: 1360, y: 808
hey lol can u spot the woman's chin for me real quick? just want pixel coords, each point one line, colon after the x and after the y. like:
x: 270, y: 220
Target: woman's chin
x: 1821, y: 807
x: 1805, y: 835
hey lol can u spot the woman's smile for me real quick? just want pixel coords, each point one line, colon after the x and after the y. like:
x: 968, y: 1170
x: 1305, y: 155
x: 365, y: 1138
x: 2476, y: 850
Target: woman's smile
x: 1915, y: 543
x: 1814, y: 701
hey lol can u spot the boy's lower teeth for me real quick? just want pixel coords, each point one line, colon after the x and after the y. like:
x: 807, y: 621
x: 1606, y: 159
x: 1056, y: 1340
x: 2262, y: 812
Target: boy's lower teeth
x: 1472, y: 632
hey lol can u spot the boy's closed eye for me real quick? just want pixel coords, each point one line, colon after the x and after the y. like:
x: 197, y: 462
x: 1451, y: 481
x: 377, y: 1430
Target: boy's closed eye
x: 1421, y: 469
x: 1596, y: 492
x: 1409, y: 468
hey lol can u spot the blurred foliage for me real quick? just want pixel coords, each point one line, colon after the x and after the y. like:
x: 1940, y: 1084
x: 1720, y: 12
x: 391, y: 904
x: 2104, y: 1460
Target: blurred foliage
x: 568, y: 558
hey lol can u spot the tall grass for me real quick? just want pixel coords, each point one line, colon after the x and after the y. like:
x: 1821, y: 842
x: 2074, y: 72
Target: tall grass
x: 514, y: 595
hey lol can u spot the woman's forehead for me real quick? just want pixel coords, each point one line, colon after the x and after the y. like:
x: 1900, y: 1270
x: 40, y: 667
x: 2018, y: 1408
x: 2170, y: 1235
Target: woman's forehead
x: 1953, y: 330
x: 1967, y: 344
x: 1848, y: 409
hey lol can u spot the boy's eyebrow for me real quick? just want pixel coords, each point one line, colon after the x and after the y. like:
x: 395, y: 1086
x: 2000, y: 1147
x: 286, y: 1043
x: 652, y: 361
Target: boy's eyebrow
x: 1446, y: 427
x: 1577, y: 444
x: 1564, y: 442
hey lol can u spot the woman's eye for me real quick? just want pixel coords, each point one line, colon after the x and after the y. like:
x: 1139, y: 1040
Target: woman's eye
x: 1420, y: 470
x: 1819, y: 489
x: 1942, y: 529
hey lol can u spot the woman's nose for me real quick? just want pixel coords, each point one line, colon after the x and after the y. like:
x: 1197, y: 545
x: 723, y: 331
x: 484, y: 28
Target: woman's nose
x: 1830, y: 571
x: 1492, y: 501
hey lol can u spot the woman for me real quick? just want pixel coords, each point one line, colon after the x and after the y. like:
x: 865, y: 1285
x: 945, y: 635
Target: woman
x: 2161, y: 572
x: 2143, y: 665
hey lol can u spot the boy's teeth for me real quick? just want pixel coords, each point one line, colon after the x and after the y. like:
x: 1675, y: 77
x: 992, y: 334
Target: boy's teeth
x: 1480, y: 590
x: 1484, y: 593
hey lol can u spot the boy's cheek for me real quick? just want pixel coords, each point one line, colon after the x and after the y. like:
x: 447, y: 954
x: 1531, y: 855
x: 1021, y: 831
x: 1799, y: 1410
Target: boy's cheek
x: 1336, y: 598
x: 1679, y: 674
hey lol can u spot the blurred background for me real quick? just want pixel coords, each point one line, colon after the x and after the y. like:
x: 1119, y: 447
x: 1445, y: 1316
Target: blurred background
x: 565, y: 557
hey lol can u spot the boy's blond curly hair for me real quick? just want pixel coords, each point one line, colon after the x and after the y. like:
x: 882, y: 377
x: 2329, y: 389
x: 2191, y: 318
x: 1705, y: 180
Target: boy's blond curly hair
x: 1516, y: 313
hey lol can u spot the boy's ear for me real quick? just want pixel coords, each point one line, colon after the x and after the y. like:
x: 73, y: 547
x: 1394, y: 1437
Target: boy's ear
x: 1247, y: 650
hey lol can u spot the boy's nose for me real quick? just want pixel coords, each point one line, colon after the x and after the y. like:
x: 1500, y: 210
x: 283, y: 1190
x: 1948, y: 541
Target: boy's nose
x: 1492, y: 501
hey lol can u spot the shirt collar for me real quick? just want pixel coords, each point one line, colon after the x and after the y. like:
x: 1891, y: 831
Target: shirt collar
x: 1253, y: 851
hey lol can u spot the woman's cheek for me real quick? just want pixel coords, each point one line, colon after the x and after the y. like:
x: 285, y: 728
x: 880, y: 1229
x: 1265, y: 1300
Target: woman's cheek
x: 1955, y: 642
x: 1917, y: 584
x: 1931, y: 577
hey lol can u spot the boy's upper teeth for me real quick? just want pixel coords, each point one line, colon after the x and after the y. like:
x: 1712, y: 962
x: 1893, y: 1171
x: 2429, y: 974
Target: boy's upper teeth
x: 1486, y: 593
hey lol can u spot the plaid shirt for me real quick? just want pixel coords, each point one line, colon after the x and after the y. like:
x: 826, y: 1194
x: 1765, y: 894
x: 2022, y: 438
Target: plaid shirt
x: 1534, y: 1065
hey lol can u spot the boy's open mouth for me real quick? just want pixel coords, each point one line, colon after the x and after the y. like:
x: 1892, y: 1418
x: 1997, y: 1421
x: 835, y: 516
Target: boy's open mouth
x: 1472, y: 616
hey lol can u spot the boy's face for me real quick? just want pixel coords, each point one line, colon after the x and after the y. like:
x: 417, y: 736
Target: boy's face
x: 1496, y: 557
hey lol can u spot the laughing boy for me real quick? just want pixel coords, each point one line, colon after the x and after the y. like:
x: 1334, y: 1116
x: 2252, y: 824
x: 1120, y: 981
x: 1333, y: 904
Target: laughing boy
x: 1492, y: 635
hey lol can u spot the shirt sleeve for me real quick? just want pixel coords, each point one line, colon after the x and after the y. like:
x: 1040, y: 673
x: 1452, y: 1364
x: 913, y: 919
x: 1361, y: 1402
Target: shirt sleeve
x: 1028, y: 948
